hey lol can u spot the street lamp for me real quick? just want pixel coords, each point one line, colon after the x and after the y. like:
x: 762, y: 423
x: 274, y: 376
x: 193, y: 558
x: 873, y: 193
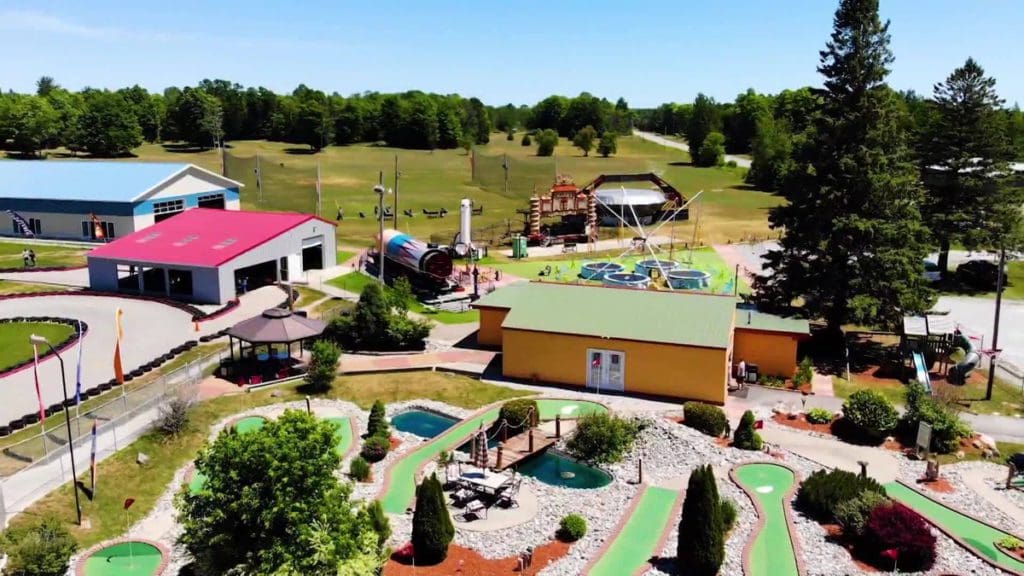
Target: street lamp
x: 37, y: 340
x: 381, y: 191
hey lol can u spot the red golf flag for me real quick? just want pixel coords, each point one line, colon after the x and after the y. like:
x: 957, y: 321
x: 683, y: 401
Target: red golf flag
x: 758, y: 424
x: 118, y: 369
x: 128, y: 503
x: 891, y: 554
x: 39, y: 392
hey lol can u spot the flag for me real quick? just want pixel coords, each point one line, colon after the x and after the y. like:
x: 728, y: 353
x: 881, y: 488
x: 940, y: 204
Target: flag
x: 21, y: 222
x: 78, y: 371
x: 892, y: 554
x: 128, y: 503
x: 97, y: 227
x: 92, y: 462
x: 596, y: 362
x: 758, y: 424
x: 39, y: 392
x: 118, y: 369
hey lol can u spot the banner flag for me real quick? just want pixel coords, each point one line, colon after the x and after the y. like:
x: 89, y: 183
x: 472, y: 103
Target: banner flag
x: 39, y: 392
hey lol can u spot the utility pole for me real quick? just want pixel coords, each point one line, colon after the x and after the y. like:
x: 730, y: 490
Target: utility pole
x: 504, y: 165
x: 397, y: 177
x: 995, y: 327
x: 259, y: 181
x: 379, y: 189
x: 319, y: 208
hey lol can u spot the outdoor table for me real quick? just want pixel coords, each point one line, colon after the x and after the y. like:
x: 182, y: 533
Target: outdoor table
x: 484, y: 481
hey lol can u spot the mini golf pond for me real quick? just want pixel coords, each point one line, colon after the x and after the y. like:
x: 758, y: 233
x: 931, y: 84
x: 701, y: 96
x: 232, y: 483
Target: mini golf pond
x: 549, y: 467
x: 124, y: 559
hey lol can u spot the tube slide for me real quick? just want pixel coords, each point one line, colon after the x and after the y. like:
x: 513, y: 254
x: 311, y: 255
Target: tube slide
x: 921, y: 372
x: 958, y: 374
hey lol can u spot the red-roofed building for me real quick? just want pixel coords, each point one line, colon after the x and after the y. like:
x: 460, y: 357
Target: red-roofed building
x: 209, y: 256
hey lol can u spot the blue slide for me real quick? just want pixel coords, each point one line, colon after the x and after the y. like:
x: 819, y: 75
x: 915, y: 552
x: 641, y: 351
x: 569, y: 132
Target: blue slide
x: 921, y: 372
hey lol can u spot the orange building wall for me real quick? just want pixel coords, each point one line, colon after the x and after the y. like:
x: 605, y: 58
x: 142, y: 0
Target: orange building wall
x: 665, y: 370
x: 773, y: 352
x: 490, y: 326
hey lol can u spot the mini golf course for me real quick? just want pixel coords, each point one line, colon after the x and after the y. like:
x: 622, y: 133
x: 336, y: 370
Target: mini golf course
x: 639, y: 538
x: 343, y: 434
x: 250, y: 424
x: 767, y: 485
x: 123, y: 559
x: 400, y: 486
x: 978, y: 536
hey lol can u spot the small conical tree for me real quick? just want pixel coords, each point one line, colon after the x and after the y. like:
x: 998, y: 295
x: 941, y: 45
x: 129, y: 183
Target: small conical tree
x: 701, y: 545
x: 377, y: 425
x: 746, y: 437
x: 432, y: 529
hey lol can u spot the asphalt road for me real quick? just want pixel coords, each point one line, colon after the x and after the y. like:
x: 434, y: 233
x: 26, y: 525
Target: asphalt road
x: 739, y: 160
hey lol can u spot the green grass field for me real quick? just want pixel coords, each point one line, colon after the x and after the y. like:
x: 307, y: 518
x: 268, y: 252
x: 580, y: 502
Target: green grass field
x: 8, y: 287
x: 14, y: 344
x: 441, y: 178
x: 47, y: 255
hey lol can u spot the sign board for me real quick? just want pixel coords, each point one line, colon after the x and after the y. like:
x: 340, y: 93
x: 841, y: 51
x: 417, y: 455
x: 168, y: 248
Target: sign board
x: 924, y: 438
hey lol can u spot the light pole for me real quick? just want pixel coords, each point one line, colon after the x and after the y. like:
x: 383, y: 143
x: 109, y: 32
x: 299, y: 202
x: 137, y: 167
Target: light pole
x: 381, y: 191
x: 995, y: 327
x: 36, y: 340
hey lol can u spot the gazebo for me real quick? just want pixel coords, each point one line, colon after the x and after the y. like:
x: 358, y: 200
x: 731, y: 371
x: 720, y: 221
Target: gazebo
x: 265, y: 345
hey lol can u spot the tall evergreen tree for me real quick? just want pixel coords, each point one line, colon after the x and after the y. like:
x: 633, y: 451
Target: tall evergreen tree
x: 854, y: 244
x: 964, y: 154
x: 432, y: 529
x: 704, y: 119
x: 701, y: 545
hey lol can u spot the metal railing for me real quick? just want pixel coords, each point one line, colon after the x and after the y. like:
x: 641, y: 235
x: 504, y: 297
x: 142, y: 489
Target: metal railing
x: 31, y: 468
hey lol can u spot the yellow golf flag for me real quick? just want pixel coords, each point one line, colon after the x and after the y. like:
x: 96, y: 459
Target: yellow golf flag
x: 118, y: 369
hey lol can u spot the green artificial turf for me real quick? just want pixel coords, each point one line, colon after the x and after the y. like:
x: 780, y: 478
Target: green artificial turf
x: 638, y: 541
x: 124, y: 559
x: 772, y: 553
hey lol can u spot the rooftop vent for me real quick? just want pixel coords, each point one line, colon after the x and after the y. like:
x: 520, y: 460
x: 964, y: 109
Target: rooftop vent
x: 148, y: 237
x: 225, y: 243
x: 186, y: 240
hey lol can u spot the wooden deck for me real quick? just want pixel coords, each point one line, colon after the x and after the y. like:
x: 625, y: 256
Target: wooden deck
x: 517, y: 448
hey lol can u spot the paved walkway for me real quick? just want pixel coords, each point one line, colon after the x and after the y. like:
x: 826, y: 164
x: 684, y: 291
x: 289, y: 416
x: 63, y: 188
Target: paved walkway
x: 882, y: 466
x: 473, y: 360
x: 980, y: 481
x: 739, y: 160
x: 75, y: 277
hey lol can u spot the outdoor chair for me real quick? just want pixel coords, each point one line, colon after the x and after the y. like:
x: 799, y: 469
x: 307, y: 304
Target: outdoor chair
x: 476, y: 509
x: 507, y: 497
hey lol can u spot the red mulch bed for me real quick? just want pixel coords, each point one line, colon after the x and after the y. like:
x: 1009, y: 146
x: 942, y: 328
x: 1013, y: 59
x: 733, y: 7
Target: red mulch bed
x: 723, y: 442
x: 941, y: 485
x: 394, y: 442
x: 464, y: 561
x: 801, y: 423
x: 835, y: 535
x: 1016, y: 553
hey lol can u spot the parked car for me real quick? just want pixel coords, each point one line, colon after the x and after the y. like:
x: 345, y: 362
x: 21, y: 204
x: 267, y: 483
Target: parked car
x: 932, y: 272
x: 978, y: 274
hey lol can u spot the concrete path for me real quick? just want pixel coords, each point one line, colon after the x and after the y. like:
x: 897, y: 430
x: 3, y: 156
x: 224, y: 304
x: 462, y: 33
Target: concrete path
x: 882, y: 466
x: 74, y: 277
x: 739, y: 160
x: 473, y: 360
x: 980, y: 481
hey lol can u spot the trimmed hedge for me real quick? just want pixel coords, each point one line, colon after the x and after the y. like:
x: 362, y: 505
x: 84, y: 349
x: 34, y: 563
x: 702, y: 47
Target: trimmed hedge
x: 520, y: 414
x: 822, y: 492
x: 375, y: 448
x: 572, y: 528
x: 853, y: 514
x: 359, y: 469
x: 871, y: 413
x: 707, y: 418
x: 746, y: 437
x: 819, y: 416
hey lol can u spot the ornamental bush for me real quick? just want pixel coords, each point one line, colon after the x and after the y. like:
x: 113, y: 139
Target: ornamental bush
x: 853, y: 514
x: 323, y: 366
x: 359, y: 469
x: 893, y: 526
x: 729, y: 513
x: 709, y: 419
x: 432, y: 529
x: 819, y: 416
x: 375, y: 448
x: 41, y: 549
x: 519, y: 415
x: 377, y: 423
x: 601, y: 438
x: 746, y: 437
x: 947, y: 428
x: 572, y: 528
x: 526, y: 140
x: 871, y: 413
x: 804, y: 373
x: 822, y: 492
x: 701, y: 545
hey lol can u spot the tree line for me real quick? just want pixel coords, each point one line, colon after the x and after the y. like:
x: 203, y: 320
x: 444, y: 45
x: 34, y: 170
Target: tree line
x: 110, y: 123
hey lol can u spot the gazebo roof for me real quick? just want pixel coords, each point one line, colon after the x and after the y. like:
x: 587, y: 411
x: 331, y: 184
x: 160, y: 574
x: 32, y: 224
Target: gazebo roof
x: 277, y: 326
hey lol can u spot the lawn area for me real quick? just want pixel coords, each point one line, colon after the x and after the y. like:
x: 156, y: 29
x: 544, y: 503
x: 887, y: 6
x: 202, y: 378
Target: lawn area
x: 355, y: 282
x: 8, y: 287
x: 706, y: 259
x: 330, y: 308
x: 307, y: 296
x: 121, y: 477
x: 14, y: 344
x: 1006, y: 397
x: 893, y: 390
x: 344, y: 256
x: 47, y: 255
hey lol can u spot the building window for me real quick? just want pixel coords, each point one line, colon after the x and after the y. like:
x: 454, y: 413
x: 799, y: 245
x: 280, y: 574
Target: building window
x: 35, y: 225
x: 212, y: 201
x: 168, y: 206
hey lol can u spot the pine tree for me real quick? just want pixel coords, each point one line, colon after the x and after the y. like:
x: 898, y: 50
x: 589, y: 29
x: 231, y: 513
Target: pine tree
x: 432, y: 529
x: 701, y: 546
x: 377, y: 425
x: 854, y: 244
x: 964, y: 154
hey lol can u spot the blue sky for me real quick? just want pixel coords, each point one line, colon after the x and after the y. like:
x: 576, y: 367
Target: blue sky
x: 647, y: 51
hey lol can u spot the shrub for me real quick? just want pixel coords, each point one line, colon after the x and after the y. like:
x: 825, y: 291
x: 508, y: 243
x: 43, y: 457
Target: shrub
x: 432, y: 529
x: 1011, y: 543
x: 819, y: 416
x: 519, y: 415
x: 379, y: 520
x: 701, y: 545
x: 947, y: 428
x: 510, y: 135
x: 359, y: 469
x: 608, y: 144
x: 526, y: 140
x: 377, y: 424
x: 712, y: 150
x: 375, y: 448
x: 871, y: 413
x: 41, y: 549
x: 853, y: 514
x: 729, y: 513
x: 745, y: 437
x: 572, y: 528
x: 822, y: 492
x: 601, y: 438
x: 709, y: 419
x: 804, y: 373
x: 771, y: 381
x: 323, y: 366
x: 174, y: 415
x: 546, y: 142
x: 893, y: 526
x: 376, y: 323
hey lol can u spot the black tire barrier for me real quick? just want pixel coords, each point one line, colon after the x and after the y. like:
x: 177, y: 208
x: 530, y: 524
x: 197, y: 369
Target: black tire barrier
x: 69, y: 402
x: 192, y: 343
x: 128, y: 377
x: 30, y: 418
x: 114, y: 382
x: 5, y: 430
x: 204, y: 338
x: 105, y: 386
x: 91, y: 393
x: 16, y: 424
x: 135, y: 373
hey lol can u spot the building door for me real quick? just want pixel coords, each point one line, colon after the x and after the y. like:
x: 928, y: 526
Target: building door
x: 606, y: 369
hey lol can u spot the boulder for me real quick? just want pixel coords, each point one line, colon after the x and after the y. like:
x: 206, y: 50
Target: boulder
x: 986, y: 441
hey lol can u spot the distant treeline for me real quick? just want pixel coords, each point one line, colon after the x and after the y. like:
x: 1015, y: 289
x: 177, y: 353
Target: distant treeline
x: 111, y: 123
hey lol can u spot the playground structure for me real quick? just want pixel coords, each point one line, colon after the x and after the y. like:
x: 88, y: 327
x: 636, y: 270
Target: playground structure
x: 926, y: 340
x: 579, y: 208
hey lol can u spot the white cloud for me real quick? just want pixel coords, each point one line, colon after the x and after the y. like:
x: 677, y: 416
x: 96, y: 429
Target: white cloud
x: 39, y: 22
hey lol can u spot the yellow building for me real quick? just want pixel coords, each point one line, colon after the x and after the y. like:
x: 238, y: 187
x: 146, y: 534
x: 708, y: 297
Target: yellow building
x: 768, y: 342
x: 660, y: 343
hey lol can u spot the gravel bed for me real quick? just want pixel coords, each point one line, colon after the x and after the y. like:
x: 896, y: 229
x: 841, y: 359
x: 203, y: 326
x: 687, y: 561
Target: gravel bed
x: 964, y: 498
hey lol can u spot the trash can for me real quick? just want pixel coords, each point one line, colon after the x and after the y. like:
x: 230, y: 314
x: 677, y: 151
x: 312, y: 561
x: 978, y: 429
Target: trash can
x: 519, y: 247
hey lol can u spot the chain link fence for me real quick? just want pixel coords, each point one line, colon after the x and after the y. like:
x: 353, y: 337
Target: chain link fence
x: 525, y: 175
x: 33, y: 467
x: 274, y: 182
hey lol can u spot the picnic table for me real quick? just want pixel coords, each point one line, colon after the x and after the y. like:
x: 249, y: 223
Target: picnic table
x: 485, y: 481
